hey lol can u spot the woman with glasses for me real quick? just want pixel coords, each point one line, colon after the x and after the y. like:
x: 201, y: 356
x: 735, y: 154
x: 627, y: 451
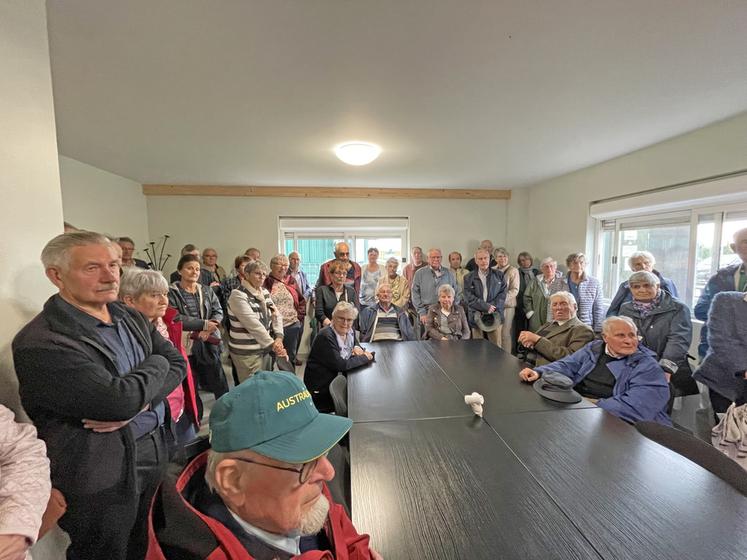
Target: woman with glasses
x: 336, y: 349
x: 587, y: 290
x: 327, y: 297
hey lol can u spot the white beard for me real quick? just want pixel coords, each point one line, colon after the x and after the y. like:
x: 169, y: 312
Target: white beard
x: 313, y: 520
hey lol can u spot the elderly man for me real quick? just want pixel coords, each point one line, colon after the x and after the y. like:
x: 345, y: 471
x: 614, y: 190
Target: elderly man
x: 537, y: 294
x: 383, y: 320
x: 128, y: 250
x: 485, y: 293
x: 414, y: 265
x: 639, y: 261
x: 622, y: 377
x: 426, y: 282
x: 342, y: 252
x: 486, y: 244
x: 294, y: 270
x: 261, y: 491
x: 560, y: 337
x: 94, y: 376
x: 727, y: 279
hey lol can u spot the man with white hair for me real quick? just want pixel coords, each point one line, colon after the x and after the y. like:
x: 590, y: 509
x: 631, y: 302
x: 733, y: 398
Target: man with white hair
x: 621, y: 376
x: 260, y: 491
x: 94, y: 376
x: 561, y: 336
x: 342, y: 253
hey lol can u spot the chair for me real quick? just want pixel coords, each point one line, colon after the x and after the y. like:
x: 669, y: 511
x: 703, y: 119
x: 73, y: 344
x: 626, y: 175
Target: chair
x: 339, y: 486
x: 338, y: 389
x: 698, y: 452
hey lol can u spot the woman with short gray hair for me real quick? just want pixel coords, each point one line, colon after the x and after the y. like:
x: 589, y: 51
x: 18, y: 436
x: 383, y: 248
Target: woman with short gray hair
x: 398, y: 283
x: 639, y: 261
x: 336, y: 349
x: 664, y: 326
x: 445, y: 320
x: 148, y: 292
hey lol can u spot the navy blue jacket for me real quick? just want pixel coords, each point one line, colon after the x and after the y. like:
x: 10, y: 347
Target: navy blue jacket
x: 497, y: 289
x: 722, y: 281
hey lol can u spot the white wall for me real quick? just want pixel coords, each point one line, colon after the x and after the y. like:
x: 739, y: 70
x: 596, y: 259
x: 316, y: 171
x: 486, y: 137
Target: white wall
x: 29, y: 177
x: 558, y: 216
x: 97, y: 200
x: 231, y: 225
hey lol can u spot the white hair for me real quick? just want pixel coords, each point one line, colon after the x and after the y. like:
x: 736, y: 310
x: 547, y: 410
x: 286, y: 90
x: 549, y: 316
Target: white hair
x: 644, y: 276
x: 345, y: 308
x: 609, y: 321
x: 137, y: 281
x: 548, y: 260
x: 648, y: 257
x: 568, y: 297
x: 446, y: 288
x: 57, y: 251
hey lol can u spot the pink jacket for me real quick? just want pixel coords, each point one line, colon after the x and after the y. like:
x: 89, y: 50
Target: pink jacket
x: 24, y: 478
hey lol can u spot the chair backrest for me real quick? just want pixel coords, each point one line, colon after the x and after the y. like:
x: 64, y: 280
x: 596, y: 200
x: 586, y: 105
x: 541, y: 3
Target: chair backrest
x: 698, y: 452
x: 338, y: 390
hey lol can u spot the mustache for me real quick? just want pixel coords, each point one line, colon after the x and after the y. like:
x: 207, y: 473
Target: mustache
x: 108, y: 286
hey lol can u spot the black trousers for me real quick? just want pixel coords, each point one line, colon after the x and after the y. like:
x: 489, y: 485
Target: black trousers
x: 113, y: 524
x: 291, y: 338
x: 208, y: 369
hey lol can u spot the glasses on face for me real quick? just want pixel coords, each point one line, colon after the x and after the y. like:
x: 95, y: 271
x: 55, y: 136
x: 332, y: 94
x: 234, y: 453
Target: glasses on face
x: 339, y: 273
x: 343, y: 254
x: 304, y: 473
x: 345, y: 320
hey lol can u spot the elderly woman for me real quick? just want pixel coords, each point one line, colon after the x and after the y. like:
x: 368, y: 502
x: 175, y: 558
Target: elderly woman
x: 724, y: 368
x: 327, y: 297
x: 398, y: 283
x: 210, y: 263
x: 200, y: 313
x: 638, y: 261
x: 558, y: 338
x: 446, y: 321
x: 537, y: 295
x: 287, y: 297
x: 148, y: 292
x: 513, y: 282
x: 664, y: 326
x: 384, y: 320
x: 255, y: 326
x: 370, y: 275
x: 335, y: 350
x: 587, y: 290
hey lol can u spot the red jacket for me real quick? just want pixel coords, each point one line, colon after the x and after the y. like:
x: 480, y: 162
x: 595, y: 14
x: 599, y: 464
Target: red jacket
x: 175, y: 524
x: 188, y: 385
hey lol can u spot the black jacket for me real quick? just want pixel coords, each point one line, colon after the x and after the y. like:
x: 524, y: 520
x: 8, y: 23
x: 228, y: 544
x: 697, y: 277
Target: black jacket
x: 326, y: 300
x: 325, y: 362
x: 66, y: 373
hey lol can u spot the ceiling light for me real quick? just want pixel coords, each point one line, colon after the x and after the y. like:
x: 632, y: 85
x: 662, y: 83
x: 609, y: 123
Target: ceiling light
x: 357, y: 153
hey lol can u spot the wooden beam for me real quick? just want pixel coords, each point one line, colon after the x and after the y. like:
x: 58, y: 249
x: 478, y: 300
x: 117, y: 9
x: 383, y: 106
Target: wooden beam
x: 324, y: 192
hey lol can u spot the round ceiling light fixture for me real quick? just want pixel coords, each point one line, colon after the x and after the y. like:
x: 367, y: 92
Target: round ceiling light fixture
x: 357, y: 153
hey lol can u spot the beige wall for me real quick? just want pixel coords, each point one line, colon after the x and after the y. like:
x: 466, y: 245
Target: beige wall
x: 97, y: 200
x: 29, y: 177
x: 231, y: 225
x: 559, y: 208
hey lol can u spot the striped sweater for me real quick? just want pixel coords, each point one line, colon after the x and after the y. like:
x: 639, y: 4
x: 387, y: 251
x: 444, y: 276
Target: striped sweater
x: 252, y: 329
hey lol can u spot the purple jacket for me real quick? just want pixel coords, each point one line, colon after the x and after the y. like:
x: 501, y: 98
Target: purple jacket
x: 641, y: 391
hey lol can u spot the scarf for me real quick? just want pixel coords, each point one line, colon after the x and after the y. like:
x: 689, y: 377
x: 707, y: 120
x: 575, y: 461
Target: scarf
x: 645, y: 308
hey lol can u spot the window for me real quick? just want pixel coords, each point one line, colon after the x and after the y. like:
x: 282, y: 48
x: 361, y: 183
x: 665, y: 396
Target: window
x: 315, y: 238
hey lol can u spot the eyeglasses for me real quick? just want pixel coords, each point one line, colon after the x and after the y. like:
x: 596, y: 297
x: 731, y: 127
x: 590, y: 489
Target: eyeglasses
x: 304, y: 473
x: 343, y: 254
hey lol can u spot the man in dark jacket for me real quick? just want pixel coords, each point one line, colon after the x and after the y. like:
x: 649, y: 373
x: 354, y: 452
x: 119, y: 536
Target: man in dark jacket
x: 384, y: 321
x: 727, y: 279
x: 94, y: 376
x: 485, y: 293
x: 260, y: 491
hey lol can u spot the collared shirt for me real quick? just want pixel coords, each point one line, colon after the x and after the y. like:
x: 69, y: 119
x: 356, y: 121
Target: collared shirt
x: 290, y: 544
x: 483, y: 276
x: 346, y: 344
x: 740, y: 279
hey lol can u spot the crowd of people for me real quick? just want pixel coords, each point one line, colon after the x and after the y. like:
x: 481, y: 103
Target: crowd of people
x: 110, y: 372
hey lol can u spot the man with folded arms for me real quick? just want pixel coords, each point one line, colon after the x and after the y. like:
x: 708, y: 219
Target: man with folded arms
x: 621, y: 376
x: 560, y: 337
x: 261, y: 491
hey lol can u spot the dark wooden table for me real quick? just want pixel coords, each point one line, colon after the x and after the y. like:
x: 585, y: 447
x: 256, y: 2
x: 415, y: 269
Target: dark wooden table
x: 531, y: 480
x: 450, y: 489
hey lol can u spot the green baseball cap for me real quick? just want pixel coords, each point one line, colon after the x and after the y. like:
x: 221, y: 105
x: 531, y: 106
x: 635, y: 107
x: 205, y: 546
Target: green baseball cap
x: 272, y: 414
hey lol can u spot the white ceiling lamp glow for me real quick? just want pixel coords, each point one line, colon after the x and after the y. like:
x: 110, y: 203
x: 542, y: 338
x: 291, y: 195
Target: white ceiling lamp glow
x: 357, y: 153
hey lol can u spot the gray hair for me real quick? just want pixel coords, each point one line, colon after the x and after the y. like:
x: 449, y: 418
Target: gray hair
x: 607, y: 324
x: 644, y: 276
x: 641, y: 255
x: 567, y: 296
x: 391, y: 260
x: 277, y: 258
x: 548, y: 260
x: 213, y: 459
x: 345, y: 308
x: 382, y: 285
x: 482, y: 250
x: 254, y: 265
x: 56, y: 253
x: 500, y: 251
x: 446, y: 288
x: 137, y: 281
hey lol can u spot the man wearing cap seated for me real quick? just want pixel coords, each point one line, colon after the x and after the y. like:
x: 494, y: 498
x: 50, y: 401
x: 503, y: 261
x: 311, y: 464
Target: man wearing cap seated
x: 622, y: 377
x: 260, y: 492
x: 560, y: 337
x: 485, y: 293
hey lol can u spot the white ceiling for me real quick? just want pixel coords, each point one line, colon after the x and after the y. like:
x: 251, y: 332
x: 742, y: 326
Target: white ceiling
x: 463, y: 93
